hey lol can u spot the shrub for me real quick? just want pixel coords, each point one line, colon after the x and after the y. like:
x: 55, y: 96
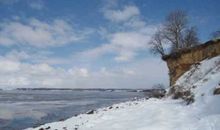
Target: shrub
x: 216, y: 91
x: 179, y: 92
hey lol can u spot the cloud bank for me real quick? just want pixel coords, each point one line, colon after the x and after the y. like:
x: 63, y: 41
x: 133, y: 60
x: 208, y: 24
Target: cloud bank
x: 14, y: 74
x: 39, y: 34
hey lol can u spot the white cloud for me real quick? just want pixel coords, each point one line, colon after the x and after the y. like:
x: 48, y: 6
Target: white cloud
x: 121, y: 15
x: 37, y: 56
x: 7, y: 66
x: 132, y: 37
x: 129, y: 40
x: 140, y: 74
x: 39, y: 34
x: 17, y: 55
x: 125, y: 55
x: 16, y: 74
x: 126, y: 45
x: 83, y: 72
x: 39, y: 69
x: 135, y: 23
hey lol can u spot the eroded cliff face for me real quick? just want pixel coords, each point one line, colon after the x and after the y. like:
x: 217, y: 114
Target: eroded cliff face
x: 180, y: 62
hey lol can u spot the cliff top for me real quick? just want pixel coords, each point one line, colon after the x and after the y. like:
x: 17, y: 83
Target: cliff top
x: 187, y: 50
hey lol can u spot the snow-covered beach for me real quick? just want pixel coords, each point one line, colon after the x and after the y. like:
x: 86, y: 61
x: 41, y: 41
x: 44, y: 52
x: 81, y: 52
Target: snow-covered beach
x: 158, y: 114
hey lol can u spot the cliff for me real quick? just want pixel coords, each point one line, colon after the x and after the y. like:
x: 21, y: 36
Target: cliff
x: 181, y: 61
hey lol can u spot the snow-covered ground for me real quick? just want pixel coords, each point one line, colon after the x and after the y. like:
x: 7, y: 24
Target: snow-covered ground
x: 159, y: 114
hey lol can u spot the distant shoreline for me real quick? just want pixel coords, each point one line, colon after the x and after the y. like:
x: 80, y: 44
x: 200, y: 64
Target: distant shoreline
x: 89, y: 89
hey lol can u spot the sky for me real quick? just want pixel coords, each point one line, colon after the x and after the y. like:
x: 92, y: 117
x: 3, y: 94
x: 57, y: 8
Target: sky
x: 90, y: 43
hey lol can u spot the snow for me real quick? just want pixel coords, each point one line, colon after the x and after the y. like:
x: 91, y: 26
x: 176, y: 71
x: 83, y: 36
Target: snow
x: 159, y: 114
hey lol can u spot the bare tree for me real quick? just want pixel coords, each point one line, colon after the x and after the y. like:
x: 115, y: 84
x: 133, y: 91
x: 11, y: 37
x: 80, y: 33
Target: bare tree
x: 190, y: 38
x: 157, y: 43
x: 176, y: 23
x: 176, y: 33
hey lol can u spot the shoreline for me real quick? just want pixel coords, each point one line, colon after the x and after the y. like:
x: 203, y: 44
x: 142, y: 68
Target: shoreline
x: 133, y: 101
x: 35, y: 108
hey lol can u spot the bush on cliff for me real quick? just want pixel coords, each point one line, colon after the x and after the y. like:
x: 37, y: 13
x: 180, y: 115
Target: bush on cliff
x: 179, y: 92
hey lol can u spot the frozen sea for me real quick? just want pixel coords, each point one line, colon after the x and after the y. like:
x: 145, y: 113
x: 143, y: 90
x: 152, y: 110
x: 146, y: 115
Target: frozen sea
x: 20, y: 109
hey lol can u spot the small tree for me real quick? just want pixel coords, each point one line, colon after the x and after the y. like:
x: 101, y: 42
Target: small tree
x: 175, y: 32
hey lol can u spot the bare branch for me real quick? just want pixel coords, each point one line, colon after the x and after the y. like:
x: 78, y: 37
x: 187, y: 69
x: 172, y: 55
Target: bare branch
x: 157, y: 43
x: 175, y: 24
x: 191, y: 38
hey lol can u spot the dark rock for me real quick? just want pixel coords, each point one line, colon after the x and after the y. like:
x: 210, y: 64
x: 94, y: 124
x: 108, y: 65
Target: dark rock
x: 110, y: 107
x: 47, y: 128
x: 181, y: 94
x: 194, y: 87
x: 205, y: 80
x: 90, y: 112
x: 41, y: 129
x: 190, y: 99
x: 216, y: 91
x: 147, y: 98
x: 61, y: 119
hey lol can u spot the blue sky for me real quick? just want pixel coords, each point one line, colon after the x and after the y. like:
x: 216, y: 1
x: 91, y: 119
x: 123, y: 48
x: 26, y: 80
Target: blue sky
x: 90, y: 43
